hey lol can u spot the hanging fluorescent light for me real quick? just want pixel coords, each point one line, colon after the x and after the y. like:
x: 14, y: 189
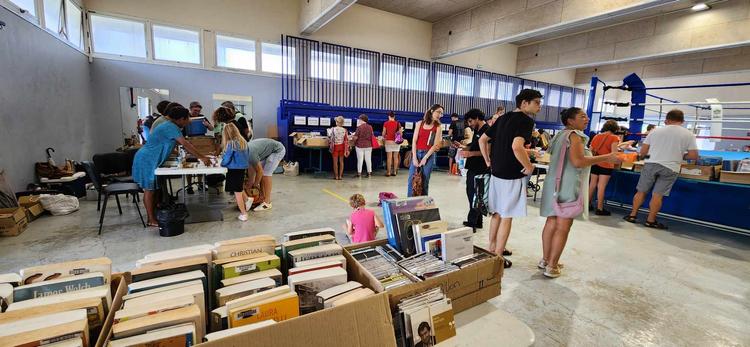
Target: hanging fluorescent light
x: 700, y: 7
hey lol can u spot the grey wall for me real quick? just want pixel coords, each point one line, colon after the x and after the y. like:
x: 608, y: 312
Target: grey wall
x: 45, y: 100
x: 184, y: 84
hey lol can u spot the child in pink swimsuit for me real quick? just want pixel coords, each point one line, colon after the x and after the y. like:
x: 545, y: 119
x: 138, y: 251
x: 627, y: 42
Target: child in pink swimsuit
x: 363, y: 224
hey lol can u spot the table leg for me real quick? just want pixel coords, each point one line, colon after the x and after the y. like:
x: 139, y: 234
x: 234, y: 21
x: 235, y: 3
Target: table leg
x: 183, y: 188
x: 538, y: 172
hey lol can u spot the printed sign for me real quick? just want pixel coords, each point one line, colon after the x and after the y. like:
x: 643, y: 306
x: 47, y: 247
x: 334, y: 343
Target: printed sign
x: 409, y: 125
x: 313, y: 121
x: 300, y: 120
x: 325, y: 121
x: 347, y: 122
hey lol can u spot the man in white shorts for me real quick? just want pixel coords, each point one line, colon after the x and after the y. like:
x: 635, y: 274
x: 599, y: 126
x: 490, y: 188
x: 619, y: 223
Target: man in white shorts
x: 510, y: 165
x: 666, y: 147
x: 265, y: 156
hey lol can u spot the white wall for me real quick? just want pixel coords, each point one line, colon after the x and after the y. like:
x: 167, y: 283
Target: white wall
x: 499, y: 58
x: 561, y: 77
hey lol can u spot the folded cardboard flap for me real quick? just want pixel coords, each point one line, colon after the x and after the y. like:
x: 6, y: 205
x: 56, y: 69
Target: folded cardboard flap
x: 119, y: 287
x: 366, y: 322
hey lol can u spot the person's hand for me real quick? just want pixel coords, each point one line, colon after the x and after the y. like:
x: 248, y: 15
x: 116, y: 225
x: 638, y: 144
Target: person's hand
x: 613, y: 158
x: 206, y: 161
x: 488, y: 163
x: 206, y: 123
x: 423, y: 162
x: 415, y: 161
x: 528, y: 170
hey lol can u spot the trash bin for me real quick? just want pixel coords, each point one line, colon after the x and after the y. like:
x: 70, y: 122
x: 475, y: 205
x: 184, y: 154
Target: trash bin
x: 171, y: 220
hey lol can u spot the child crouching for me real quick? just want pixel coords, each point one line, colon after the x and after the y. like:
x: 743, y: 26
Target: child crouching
x: 363, y: 224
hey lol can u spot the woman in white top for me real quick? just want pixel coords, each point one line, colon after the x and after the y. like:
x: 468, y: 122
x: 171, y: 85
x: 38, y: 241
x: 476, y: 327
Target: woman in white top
x: 339, y: 147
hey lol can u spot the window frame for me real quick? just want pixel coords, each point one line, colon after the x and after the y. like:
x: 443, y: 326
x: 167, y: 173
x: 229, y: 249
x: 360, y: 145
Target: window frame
x: 260, y: 59
x: 23, y: 13
x: 152, y: 45
x: 40, y: 23
x: 256, y: 43
x: 146, y: 33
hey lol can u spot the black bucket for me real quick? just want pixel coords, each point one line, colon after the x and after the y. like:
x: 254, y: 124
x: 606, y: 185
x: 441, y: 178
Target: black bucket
x: 172, y: 220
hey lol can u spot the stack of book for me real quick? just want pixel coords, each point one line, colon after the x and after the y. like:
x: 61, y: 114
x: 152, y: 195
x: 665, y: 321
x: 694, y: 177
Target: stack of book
x: 63, y: 302
x: 434, y: 238
x: 380, y: 261
x: 400, y: 215
x: 277, y: 304
x: 342, y: 294
x: 424, y: 320
x: 424, y: 266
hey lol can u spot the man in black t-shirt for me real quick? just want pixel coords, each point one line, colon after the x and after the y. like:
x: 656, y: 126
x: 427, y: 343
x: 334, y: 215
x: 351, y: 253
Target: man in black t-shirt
x: 475, y: 164
x: 456, y: 134
x: 510, y: 165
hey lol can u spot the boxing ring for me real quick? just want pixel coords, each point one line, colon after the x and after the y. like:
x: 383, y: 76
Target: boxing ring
x: 719, y: 205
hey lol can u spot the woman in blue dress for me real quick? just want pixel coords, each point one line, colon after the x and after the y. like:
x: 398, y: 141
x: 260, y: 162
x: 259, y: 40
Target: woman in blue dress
x: 156, y: 151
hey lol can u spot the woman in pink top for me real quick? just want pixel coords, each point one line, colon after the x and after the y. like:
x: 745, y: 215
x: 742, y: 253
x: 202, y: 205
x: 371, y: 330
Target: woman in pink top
x: 363, y: 224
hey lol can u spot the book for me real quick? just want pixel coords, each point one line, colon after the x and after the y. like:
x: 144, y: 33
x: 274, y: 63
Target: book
x: 58, y: 286
x: 393, y: 206
x: 13, y: 279
x: 218, y: 270
x: 244, y: 246
x: 152, y: 307
x: 335, y: 291
x: 232, y: 292
x: 142, y: 325
x: 425, y: 232
x: 308, y: 233
x: 43, y: 329
x: 457, y: 243
x: 315, y: 252
x: 317, y: 266
x: 156, y: 282
x: 273, y: 274
x: 66, y: 269
x: 170, y: 267
x: 51, y: 303
x: 182, y: 335
x: 243, y: 267
x: 434, y: 248
x: 404, y: 222
x: 312, y: 241
x: 193, y: 290
x: 339, y: 258
x: 219, y: 319
x: 443, y: 322
x: 309, y: 284
x: 351, y: 296
x: 219, y: 316
x: 6, y: 296
x: 204, y: 250
x: 171, y: 287
x: 77, y: 342
x: 422, y: 331
x: 278, y: 308
x: 93, y: 305
x: 238, y: 330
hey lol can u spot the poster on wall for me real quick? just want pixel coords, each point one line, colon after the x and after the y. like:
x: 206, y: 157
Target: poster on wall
x: 409, y: 125
x: 325, y: 121
x: 300, y: 120
x: 347, y: 122
x: 313, y: 121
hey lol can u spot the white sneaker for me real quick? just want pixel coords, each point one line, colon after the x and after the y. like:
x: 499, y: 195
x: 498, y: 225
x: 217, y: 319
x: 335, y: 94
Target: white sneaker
x: 248, y: 204
x: 265, y: 206
x: 242, y: 217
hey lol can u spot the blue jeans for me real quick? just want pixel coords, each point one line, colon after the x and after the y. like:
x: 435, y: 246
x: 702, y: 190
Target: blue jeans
x: 426, y: 171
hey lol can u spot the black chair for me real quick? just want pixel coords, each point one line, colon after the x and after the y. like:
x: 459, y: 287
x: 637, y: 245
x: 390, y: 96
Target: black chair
x: 115, y: 166
x: 108, y: 190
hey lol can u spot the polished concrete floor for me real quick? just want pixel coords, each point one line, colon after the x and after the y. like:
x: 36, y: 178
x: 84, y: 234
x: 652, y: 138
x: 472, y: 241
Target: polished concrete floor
x: 623, y: 285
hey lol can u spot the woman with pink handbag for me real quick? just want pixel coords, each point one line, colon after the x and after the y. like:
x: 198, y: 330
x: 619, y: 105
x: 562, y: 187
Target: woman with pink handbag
x: 566, y: 187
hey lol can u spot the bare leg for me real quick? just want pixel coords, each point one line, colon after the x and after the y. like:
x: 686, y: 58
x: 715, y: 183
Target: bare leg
x: 600, y: 189
x: 502, y: 234
x: 388, y: 163
x: 592, y: 187
x: 637, y: 203
x: 398, y: 163
x: 654, y: 206
x: 547, y: 235
x: 148, y: 201
x: 559, y: 239
x: 265, y: 184
x: 335, y: 168
x: 341, y: 167
x: 494, y: 226
x: 240, y: 197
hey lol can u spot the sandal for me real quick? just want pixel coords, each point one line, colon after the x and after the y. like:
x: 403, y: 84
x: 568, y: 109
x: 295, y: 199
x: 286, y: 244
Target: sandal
x: 655, y: 225
x: 630, y: 219
x: 507, y: 263
x: 152, y: 225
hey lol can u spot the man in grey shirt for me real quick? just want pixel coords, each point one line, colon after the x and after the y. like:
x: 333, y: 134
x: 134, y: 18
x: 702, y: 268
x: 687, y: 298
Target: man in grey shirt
x: 265, y: 156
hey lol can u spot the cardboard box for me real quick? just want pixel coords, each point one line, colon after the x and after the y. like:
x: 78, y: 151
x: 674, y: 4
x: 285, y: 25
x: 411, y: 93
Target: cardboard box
x: 205, y: 145
x: 318, y: 141
x: 696, y: 172
x: 28, y: 200
x: 119, y: 287
x: 366, y: 322
x: 469, y: 286
x: 13, y: 221
x: 34, y: 211
x: 735, y: 177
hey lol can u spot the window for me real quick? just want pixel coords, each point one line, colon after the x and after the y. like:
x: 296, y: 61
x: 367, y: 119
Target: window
x: 357, y: 70
x: 465, y: 85
x: 272, y: 59
x: 392, y: 75
x: 506, y: 91
x: 444, y: 82
x: 416, y: 78
x: 553, y: 99
x: 26, y: 5
x: 325, y: 65
x: 52, y: 15
x: 118, y: 36
x: 235, y: 53
x: 174, y: 44
x: 487, y: 88
x: 143, y: 107
x: 74, y: 23
x: 567, y: 99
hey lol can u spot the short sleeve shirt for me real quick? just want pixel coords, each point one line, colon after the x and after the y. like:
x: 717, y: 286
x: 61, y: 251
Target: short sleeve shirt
x: 668, y: 144
x: 602, y: 144
x: 458, y: 131
x: 503, y: 131
x: 261, y: 149
x: 477, y: 164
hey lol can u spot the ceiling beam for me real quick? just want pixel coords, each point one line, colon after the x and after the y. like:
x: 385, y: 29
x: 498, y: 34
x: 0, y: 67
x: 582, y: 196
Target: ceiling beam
x: 314, y: 14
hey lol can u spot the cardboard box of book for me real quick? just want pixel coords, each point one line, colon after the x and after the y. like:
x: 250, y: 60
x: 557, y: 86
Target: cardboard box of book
x: 13, y: 221
x: 698, y: 172
x: 467, y: 287
x: 735, y: 177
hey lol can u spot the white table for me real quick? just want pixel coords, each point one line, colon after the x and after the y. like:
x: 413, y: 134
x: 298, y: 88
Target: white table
x: 198, y: 213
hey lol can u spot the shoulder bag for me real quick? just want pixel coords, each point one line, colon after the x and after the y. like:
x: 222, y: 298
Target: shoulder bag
x: 571, y: 209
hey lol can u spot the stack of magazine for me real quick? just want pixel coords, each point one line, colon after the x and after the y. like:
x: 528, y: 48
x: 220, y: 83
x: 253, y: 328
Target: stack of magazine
x: 425, y: 265
x: 425, y: 319
x: 380, y: 261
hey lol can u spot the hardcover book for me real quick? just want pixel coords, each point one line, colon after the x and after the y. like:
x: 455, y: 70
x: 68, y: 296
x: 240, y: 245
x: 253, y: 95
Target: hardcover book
x: 309, y: 284
x: 457, y: 243
x: 182, y: 335
x: 58, y: 286
x: 250, y: 265
x: 71, y: 268
x: 278, y: 308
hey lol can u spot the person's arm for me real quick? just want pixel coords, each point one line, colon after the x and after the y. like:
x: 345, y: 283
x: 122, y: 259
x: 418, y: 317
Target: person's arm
x: 644, y: 150
x: 258, y: 174
x: 484, y: 148
x: 579, y: 159
x: 415, y: 137
x: 349, y: 227
x: 692, y: 154
x: 385, y: 131
x: 378, y: 223
x: 615, y: 146
x: 519, y: 151
x: 207, y: 124
x: 191, y: 149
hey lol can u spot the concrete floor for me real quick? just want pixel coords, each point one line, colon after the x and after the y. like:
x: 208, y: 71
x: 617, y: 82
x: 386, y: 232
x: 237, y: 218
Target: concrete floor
x: 623, y: 285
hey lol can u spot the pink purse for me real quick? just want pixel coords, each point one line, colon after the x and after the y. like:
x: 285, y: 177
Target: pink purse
x: 571, y: 209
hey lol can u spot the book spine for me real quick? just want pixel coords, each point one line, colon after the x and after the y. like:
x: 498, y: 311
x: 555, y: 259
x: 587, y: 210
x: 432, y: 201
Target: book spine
x: 25, y: 293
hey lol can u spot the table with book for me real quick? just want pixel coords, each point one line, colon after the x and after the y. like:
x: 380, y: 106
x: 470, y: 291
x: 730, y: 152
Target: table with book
x: 256, y: 290
x: 198, y: 212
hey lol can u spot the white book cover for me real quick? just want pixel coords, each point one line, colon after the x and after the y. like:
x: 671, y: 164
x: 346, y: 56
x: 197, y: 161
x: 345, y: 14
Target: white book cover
x: 309, y: 284
x: 457, y: 243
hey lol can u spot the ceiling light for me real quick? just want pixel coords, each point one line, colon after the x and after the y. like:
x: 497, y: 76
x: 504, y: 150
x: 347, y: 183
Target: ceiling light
x: 700, y: 7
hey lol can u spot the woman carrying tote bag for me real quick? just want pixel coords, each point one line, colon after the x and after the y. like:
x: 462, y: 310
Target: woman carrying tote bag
x: 565, y: 198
